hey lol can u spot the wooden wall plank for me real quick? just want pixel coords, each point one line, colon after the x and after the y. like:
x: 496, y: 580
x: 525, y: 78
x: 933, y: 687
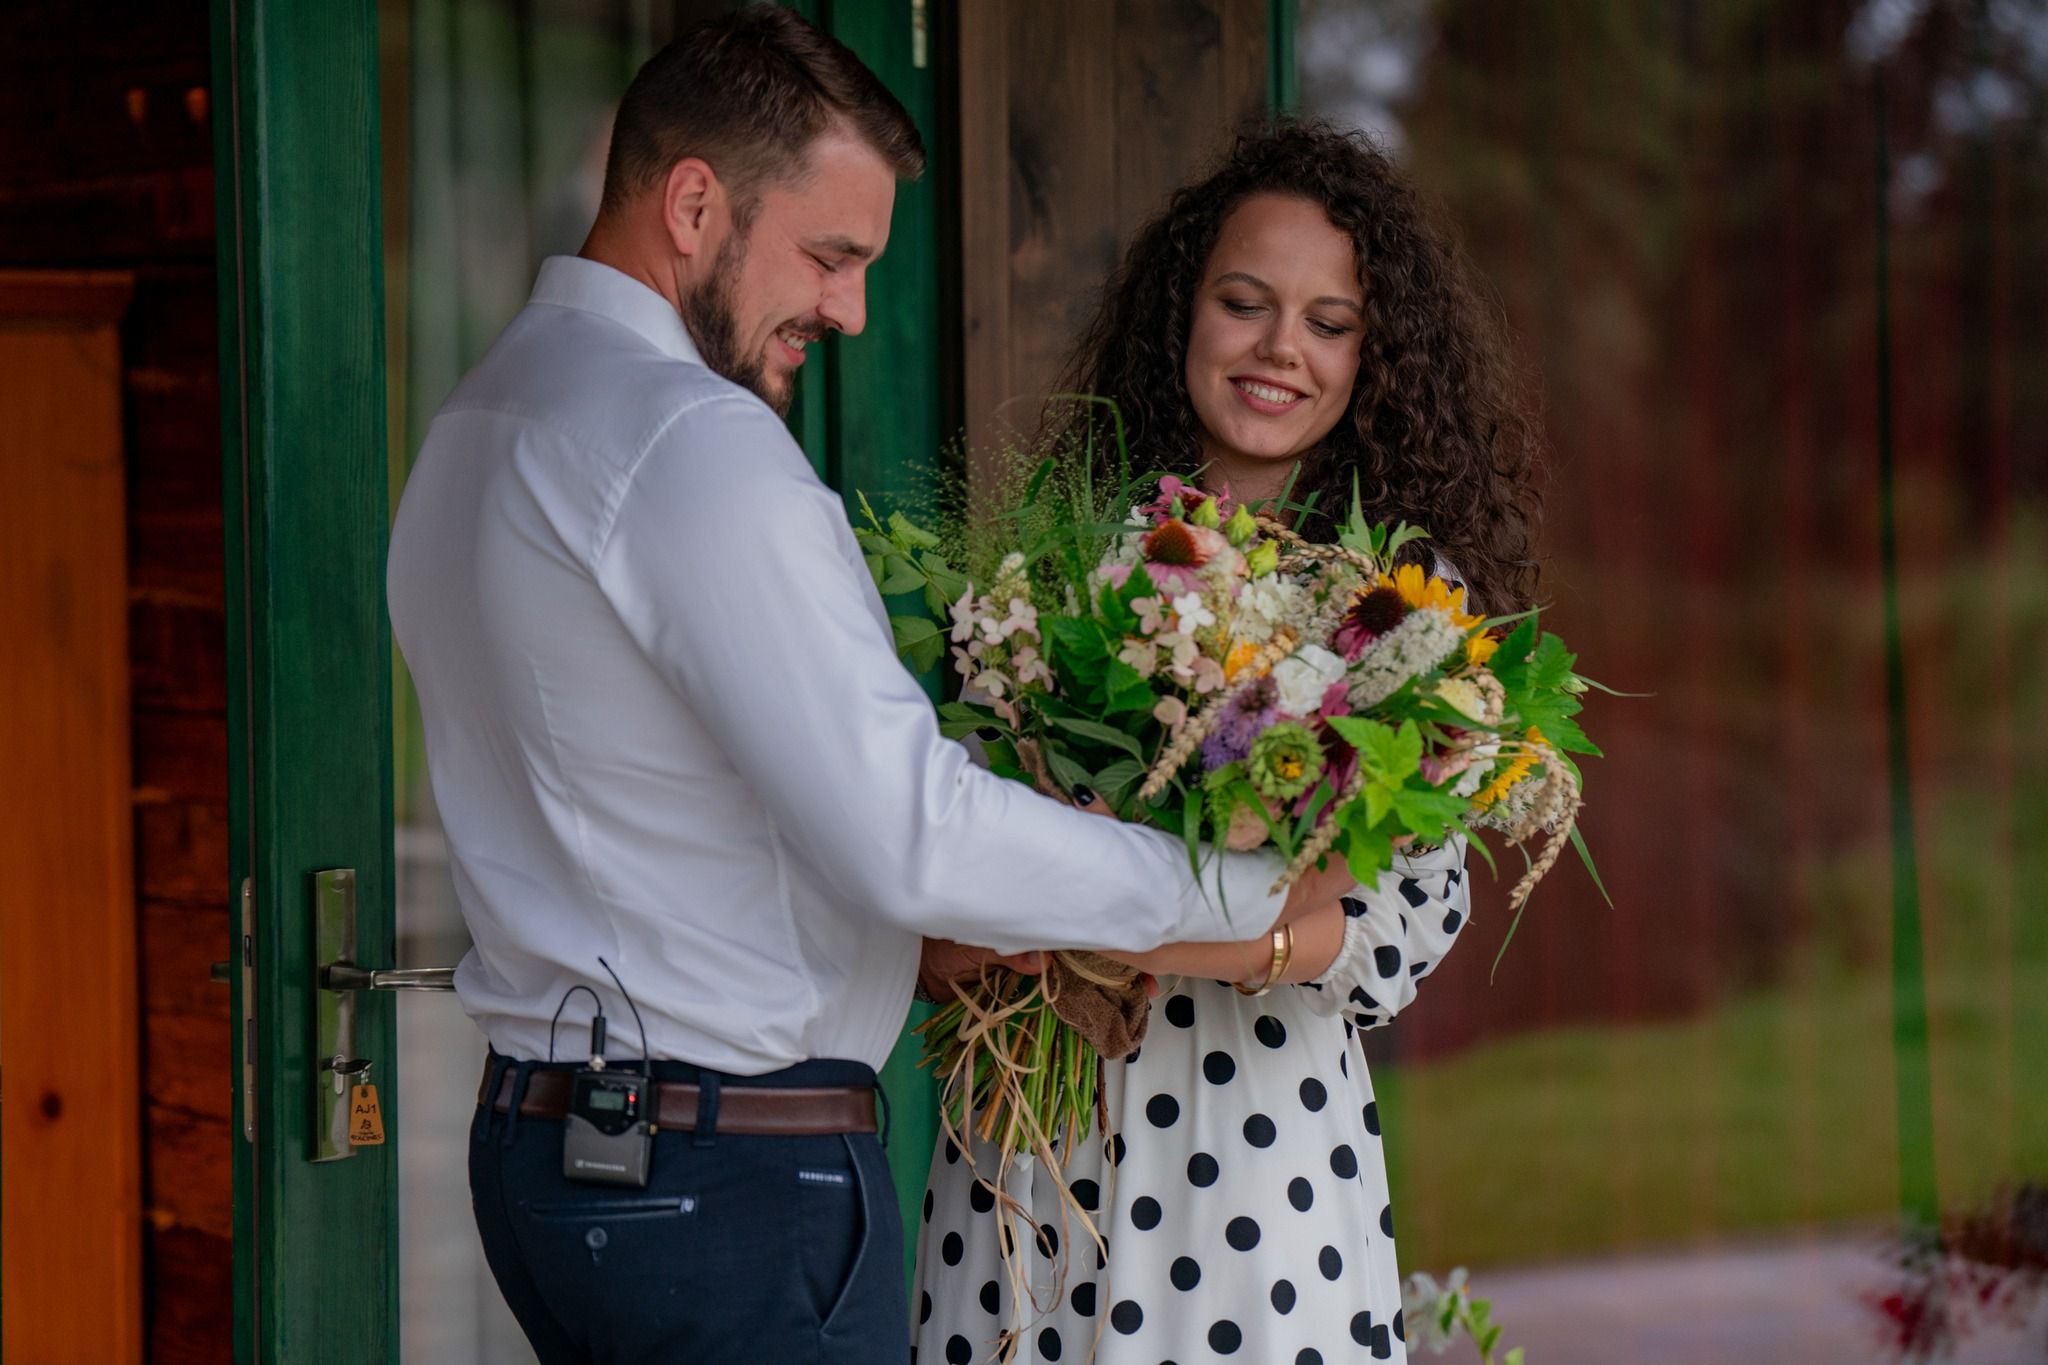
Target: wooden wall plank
x: 1063, y: 183
x: 1169, y: 84
x: 70, y: 1234
x: 1077, y: 120
x: 984, y: 133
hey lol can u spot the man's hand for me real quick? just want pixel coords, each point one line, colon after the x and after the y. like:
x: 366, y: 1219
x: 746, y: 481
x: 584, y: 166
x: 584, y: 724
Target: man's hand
x: 943, y: 962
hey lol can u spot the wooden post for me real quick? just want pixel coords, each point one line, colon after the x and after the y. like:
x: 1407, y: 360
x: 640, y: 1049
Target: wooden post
x: 70, y: 1125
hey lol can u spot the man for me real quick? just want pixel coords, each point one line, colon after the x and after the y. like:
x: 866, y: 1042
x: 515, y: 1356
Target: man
x: 667, y: 728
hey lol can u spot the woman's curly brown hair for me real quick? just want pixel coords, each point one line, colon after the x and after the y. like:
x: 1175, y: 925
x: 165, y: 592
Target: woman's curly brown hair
x: 1441, y: 432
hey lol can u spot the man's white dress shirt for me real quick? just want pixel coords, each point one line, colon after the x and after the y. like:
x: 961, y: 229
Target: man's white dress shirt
x: 666, y: 723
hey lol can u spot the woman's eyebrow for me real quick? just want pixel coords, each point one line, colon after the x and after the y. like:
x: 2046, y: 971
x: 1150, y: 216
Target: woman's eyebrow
x: 1327, y: 300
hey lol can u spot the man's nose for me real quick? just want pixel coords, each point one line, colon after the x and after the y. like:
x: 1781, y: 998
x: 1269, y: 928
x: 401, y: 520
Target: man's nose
x: 846, y: 307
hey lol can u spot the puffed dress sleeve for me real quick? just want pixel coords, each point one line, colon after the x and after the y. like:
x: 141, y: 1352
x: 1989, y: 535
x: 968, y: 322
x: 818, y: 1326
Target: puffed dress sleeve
x: 1395, y: 933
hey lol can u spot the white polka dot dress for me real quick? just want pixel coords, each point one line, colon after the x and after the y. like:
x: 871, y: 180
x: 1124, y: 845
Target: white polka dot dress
x: 1244, y: 1196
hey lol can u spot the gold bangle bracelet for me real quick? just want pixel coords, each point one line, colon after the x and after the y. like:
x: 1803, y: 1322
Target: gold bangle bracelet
x: 1283, y: 952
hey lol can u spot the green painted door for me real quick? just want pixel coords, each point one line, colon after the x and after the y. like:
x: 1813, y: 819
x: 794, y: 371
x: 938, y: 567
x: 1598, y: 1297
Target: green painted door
x: 306, y: 487
x: 302, y: 402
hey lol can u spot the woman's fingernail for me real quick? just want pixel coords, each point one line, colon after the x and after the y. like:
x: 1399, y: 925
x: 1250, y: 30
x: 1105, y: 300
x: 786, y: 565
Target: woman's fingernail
x: 1083, y: 796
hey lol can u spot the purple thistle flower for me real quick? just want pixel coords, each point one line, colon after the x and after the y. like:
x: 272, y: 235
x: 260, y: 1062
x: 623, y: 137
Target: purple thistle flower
x: 1245, y: 717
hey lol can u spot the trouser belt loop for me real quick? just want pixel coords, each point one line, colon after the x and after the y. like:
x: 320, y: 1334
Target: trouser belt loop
x: 707, y: 1110
x: 521, y: 1073
x: 882, y: 1101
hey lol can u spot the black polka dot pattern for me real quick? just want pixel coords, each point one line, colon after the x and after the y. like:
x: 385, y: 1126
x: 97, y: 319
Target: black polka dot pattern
x: 1230, y: 1242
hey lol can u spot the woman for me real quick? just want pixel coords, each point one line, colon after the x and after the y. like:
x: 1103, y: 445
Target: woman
x: 1293, y: 316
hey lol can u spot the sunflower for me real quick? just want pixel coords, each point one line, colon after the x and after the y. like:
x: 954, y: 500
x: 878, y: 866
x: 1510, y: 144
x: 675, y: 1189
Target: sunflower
x: 1419, y: 590
x: 1516, y: 770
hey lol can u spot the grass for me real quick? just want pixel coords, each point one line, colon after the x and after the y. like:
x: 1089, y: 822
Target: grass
x: 1770, y: 1114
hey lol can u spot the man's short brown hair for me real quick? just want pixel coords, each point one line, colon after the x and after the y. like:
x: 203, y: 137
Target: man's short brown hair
x: 748, y: 93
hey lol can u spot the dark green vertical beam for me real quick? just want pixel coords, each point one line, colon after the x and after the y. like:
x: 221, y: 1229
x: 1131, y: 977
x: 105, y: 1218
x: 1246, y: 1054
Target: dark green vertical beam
x: 810, y: 415
x: 305, y: 489
x: 887, y: 392
x: 1283, y: 88
x: 1912, y: 1060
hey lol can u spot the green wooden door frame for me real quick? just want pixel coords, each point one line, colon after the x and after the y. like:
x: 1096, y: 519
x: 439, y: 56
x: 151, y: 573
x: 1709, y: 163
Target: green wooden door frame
x: 309, y: 691
x: 875, y: 414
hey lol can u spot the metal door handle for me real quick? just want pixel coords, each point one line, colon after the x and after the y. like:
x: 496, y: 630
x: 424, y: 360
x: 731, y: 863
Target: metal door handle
x: 346, y: 976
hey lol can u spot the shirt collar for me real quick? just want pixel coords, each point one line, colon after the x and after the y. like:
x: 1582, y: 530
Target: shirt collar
x: 575, y: 282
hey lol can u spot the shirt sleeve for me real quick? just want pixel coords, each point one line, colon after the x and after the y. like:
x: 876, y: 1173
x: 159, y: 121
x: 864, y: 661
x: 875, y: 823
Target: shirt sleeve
x: 735, y: 570
x: 1395, y: 933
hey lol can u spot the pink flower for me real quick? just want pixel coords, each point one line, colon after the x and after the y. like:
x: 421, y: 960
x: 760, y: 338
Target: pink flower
x: 1173, y: 490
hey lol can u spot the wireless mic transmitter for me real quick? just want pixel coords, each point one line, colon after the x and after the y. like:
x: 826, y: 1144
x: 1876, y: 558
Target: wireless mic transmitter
x: 606, y: 1137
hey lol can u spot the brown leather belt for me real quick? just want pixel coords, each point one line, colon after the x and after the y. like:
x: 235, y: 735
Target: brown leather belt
x: 753, y: 1110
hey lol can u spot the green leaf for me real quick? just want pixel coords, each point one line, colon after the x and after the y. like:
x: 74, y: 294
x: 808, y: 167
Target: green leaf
x: 1564, y: 733
x: 924, y: 656
x: 907, y: 532
x: 1511, y: 662
x: 1586, y: 857
x: 944, y: 578
x: 1101, y: 734
x: 1550, y: 666
x: 1119, y: 779
x: 900, y: 576
x: 1065, y: 771
x: 1426, y: 813
x: 913, y: 630
x: 1379, y: 799
x: 1191, y: 829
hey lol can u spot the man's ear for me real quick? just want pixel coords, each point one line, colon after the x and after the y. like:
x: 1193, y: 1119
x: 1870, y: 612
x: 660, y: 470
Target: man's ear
x: 692, y: 200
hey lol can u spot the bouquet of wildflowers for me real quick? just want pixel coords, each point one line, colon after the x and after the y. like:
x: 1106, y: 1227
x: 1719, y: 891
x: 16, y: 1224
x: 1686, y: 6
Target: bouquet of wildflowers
x: 1207, y: 671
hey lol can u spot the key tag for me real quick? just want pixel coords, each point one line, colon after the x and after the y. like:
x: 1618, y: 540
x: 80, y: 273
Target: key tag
x: 365, y: 1117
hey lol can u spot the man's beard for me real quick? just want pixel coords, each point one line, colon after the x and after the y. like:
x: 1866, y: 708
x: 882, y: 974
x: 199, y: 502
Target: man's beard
x: 708, y: 314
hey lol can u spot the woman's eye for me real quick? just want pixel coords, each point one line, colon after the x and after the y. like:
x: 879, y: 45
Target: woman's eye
x: 1239, y: 309
x: 1327, y: 329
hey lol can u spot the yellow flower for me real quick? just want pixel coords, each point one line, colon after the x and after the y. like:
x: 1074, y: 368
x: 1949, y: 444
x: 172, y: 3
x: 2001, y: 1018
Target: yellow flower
x: 1240, y: 655
x: 1479, y: 647
x: 1513, y: 773
x: 1420, y: 590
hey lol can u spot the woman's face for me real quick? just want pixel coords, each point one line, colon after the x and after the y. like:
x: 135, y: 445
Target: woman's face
x: 1273, y: 343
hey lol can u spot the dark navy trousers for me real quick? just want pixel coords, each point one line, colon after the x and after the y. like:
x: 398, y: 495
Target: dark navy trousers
x: 750, y: 1250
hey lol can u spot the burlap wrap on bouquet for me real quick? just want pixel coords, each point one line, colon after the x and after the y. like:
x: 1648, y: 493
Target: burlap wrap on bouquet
x: 1099, y: 998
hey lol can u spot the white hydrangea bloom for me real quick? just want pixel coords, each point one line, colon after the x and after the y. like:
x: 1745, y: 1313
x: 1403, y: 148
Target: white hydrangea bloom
x: 1264, y: 606
x: 1303, y: 676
